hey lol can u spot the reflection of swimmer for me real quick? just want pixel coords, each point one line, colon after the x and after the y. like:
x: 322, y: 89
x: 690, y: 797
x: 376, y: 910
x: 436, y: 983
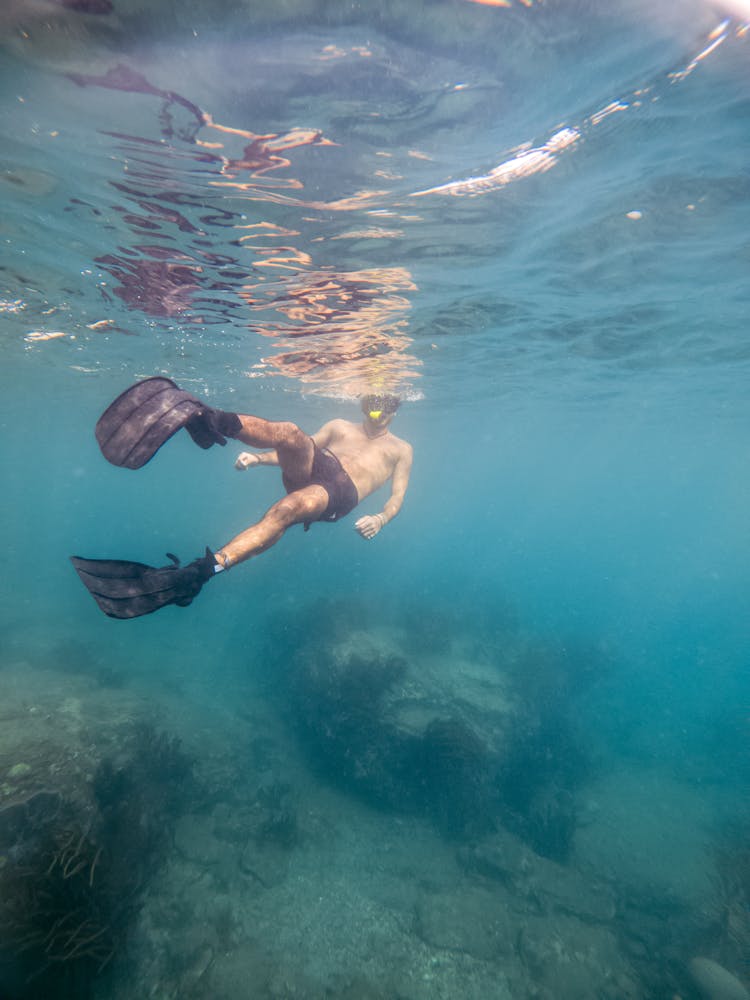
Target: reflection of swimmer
x: 158, y: 287
x: 325, y: 476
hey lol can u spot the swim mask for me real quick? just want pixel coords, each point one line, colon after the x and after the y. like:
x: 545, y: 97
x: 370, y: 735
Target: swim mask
x: 375, y: 406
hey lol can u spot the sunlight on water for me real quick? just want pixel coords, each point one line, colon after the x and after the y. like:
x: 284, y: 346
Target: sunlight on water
x: 186, y: 222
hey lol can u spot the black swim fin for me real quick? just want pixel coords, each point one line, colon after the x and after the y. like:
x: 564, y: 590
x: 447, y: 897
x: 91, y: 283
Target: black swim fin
x: 133, y: 428
x: 130, y: 589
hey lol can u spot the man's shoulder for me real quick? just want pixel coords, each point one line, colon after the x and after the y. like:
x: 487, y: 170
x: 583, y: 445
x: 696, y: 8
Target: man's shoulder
x: 404, y: 448
x: 339, y: 426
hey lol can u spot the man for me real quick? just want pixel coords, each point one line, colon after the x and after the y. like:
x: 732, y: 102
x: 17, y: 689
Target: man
x: 325, y: 475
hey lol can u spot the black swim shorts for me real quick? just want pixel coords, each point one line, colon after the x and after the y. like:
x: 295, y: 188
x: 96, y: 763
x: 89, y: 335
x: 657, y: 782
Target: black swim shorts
x: 329, y: 473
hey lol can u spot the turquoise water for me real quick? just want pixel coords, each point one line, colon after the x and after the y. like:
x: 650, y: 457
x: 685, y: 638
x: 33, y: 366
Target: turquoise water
x: 529, y: 220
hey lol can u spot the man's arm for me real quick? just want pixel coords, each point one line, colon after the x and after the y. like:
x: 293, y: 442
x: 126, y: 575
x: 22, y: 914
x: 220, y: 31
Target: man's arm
x: 399, y: 485
x: 369, y: 525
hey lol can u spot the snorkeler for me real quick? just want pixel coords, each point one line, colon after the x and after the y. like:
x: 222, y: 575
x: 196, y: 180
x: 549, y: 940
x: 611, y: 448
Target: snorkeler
x: 325, y: 476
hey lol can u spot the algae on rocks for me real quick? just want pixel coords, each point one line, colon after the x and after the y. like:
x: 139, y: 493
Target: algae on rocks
x: 88, y: 797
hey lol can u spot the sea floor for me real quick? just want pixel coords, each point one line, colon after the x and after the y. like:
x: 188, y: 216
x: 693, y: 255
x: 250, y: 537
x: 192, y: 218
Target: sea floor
x: 275, y: 883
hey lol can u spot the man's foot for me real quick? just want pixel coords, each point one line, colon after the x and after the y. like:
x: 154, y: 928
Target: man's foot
x: 209, y: 427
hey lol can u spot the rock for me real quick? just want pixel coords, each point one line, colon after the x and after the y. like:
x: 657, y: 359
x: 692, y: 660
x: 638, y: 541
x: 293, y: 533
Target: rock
x: 474, y: 921
x: 569, y: 958
x: 197, y: 968
x: 19, y: 770
x: 194, y: 838
x: 551, y: 886
x: 267, y: 864
x: 715, y: 982
x: 425, y: 736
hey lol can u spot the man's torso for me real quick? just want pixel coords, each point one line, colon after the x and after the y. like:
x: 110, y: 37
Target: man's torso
x: 369, y: 462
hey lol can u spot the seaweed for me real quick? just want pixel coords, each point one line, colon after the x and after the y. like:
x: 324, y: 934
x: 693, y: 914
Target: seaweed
x: 73, y: 870
x: 57, y: 920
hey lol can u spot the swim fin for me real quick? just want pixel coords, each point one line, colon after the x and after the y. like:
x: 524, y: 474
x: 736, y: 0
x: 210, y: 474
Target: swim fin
x: 130, y: 589
x: 133, y: 428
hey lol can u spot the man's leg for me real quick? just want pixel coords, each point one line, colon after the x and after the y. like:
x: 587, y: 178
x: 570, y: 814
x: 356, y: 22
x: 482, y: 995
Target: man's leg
x: 306, y: 504
x: 294, y: 447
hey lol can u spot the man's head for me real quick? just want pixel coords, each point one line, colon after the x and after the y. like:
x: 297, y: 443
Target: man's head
x: 379, y: 408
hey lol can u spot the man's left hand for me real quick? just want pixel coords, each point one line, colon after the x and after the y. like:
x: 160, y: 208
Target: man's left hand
x: 369, y: 525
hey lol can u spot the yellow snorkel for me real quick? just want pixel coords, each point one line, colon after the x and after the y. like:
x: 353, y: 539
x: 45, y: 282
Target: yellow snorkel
x: 378, y: 408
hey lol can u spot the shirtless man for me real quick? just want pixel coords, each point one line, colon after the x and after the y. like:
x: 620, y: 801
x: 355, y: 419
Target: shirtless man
x: 325, y: 476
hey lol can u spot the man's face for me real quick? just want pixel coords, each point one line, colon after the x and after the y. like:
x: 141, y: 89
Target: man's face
x: 377, y: 420
x: 378, y: 413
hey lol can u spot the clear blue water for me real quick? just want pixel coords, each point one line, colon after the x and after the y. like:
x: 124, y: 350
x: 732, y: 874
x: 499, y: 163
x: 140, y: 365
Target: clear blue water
x: 529, y: 220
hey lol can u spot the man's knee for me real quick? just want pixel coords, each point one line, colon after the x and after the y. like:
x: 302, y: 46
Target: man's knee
x: 289, y: 435
x: 302, y: 505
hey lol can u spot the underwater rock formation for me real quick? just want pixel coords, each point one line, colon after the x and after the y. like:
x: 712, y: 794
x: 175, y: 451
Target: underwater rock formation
x: 442, y: 728
x: 397, y: 732
x: 729, y: 939
x: 715, y: 982
x: 543, y: 766
x: 505, y: 858
x: 557, y: 921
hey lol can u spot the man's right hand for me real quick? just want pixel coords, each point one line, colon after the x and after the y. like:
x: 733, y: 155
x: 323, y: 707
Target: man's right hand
x: 245, y: 460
